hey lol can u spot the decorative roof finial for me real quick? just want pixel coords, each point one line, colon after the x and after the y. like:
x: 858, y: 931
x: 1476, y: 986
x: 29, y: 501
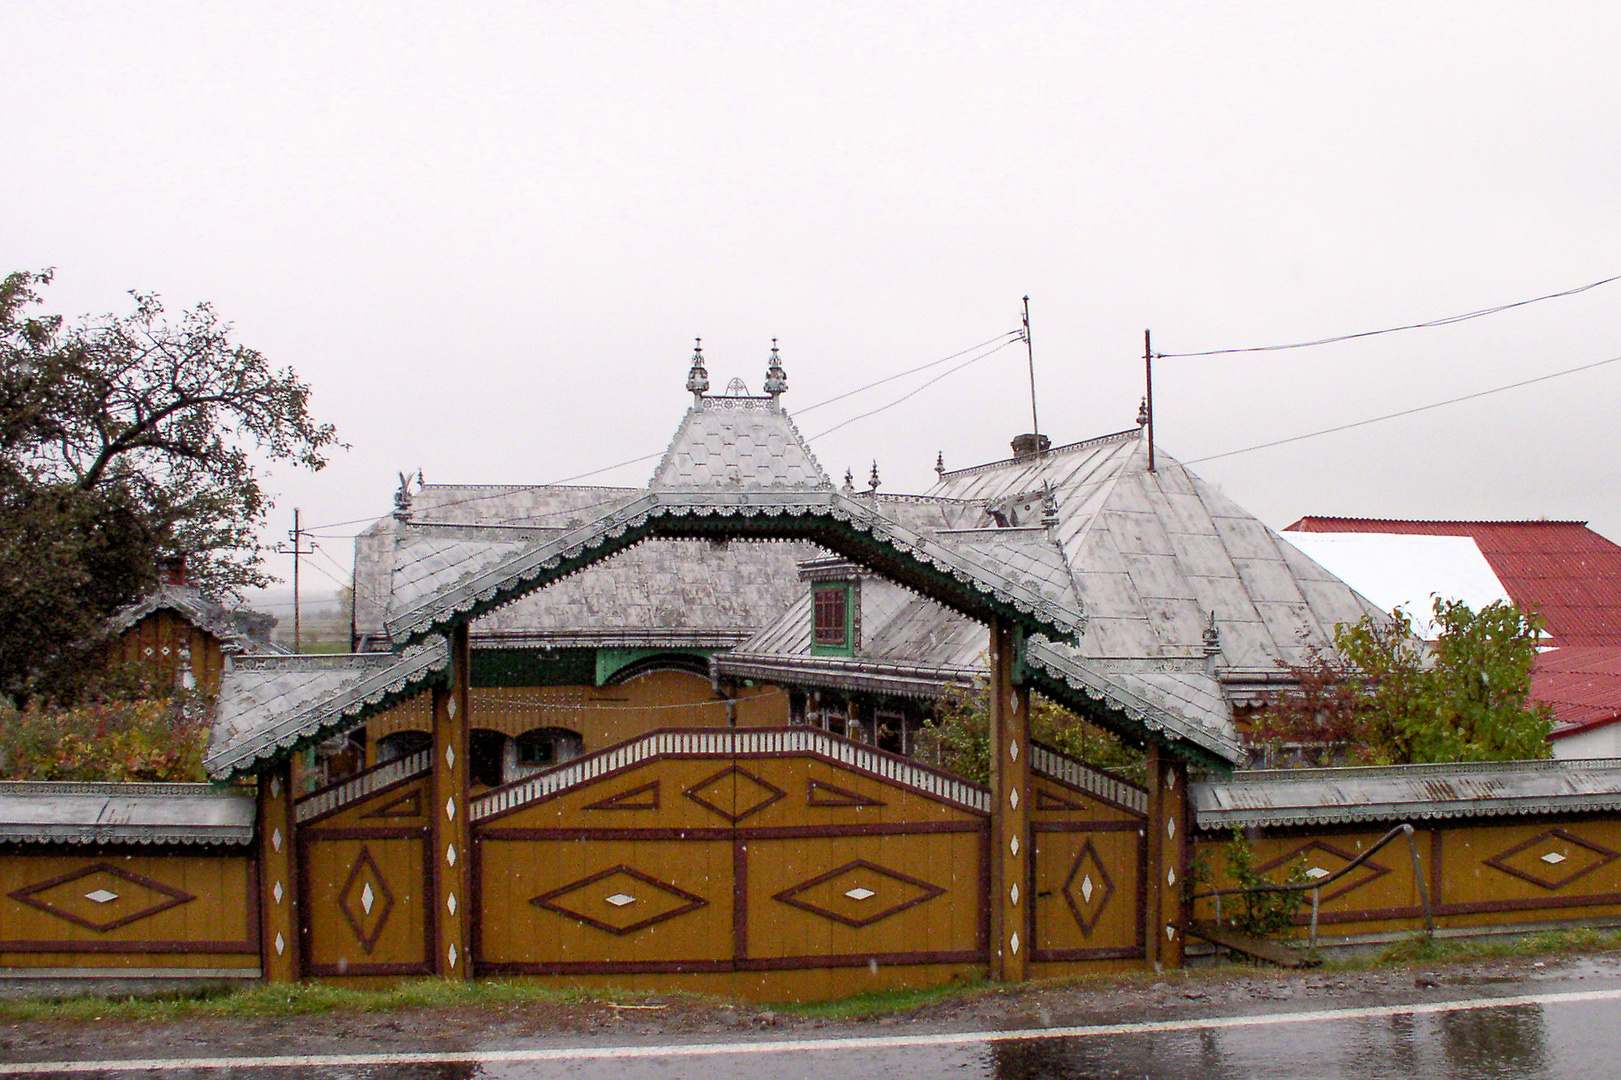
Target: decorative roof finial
x: 402, y: 498
x: 849, y: 482
x: 1212, y: 636
x: 698, y: 377
x: 1049, y: 506
x: 940, y: 464
x: 872, y: 481
x: 776, y: 379
x: 1142, y: 413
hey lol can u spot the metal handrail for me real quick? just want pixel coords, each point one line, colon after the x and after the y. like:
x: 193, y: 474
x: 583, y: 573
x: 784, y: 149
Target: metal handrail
x: 1316, y: 886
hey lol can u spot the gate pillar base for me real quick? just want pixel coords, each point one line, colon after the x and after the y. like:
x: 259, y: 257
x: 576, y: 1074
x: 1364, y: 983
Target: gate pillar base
x: 1012, y: 866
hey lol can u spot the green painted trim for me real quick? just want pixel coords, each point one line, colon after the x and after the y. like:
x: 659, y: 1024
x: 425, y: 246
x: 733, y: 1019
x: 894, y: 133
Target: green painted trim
x: 849, y: 646
x: 612, y: 661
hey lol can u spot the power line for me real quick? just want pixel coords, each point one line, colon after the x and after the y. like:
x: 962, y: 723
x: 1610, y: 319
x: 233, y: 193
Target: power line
x: 1447, y: 321
x: 1010, y: 336
x: 1408, y: 412
x: 920, y: 389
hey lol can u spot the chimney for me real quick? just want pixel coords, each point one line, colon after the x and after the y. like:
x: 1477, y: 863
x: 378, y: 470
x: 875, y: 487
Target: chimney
x: 172, y: 570
x: 1029, y: 446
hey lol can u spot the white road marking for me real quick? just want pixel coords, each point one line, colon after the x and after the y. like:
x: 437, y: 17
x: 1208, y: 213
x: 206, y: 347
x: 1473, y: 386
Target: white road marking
x: 801, y: 1046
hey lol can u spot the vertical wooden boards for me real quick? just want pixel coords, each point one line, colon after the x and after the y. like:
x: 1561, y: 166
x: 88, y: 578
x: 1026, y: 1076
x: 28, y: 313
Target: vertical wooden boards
x: 452, y: 836
x: 1011, y: 865
x: 1166, y: 858
x: 1087, y: 894
x: 278, y: 880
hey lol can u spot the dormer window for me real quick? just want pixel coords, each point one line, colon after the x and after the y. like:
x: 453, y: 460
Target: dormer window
x: 833, y: 620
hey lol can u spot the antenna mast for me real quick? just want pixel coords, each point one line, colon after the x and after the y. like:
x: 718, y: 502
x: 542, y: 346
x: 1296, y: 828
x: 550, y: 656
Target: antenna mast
x: 1148, y: 399
x: 1030, y: 354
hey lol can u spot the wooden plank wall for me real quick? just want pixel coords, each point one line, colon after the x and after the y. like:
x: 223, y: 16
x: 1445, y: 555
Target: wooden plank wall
x: 1489, y: 872
x: 128, y: 908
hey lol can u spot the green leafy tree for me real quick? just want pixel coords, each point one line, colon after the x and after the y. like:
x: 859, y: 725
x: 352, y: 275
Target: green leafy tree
x: 1384, y: 697
x: 125, y: 438
x: 959, y: 737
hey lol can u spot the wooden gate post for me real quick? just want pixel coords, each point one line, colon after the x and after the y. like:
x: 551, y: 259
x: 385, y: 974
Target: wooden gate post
x: 1167, y: 857
x: 278, y: 876
x: 1011, y: 873
x: 452, y: 836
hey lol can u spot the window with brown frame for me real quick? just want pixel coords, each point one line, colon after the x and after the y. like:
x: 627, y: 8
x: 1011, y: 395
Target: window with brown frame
x: 832, y: 618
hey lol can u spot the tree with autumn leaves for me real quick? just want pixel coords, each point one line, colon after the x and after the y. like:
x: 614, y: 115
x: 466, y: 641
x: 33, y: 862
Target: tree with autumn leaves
x: 1381, y: 696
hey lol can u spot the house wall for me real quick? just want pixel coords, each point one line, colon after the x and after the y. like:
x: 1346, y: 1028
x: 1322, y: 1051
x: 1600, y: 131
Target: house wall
x: 160, y: 642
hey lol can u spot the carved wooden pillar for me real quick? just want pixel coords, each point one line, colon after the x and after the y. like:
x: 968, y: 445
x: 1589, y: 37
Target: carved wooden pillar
x: 452, y: 836
x: 1010, y: 811
x: 278, y: 880
x: 1168, y: 856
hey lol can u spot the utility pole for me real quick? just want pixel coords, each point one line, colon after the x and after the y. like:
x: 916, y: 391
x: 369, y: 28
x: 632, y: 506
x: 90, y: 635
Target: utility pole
x: 1148, y: 398
x: 297, y: 551
x: 1030, y: 355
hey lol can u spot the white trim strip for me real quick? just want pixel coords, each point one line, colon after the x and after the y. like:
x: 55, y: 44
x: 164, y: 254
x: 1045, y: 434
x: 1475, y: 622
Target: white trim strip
x: 364, y: 785
x: 801, y: 1046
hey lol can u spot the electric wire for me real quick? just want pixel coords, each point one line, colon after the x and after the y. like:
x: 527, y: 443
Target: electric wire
x: 917, y: 390
x: 1446, y: 321
x: 1407, y: 412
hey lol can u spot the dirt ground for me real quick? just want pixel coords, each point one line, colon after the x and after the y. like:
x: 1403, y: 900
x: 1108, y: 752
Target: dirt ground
x: 1179, y: 995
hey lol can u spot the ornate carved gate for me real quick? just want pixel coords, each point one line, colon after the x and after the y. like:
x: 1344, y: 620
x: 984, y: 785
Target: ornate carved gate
x: 755, y: 851
x: 364, y: 873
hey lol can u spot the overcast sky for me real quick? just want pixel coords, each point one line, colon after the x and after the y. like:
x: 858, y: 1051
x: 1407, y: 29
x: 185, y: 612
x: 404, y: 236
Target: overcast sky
x: 488, y: 233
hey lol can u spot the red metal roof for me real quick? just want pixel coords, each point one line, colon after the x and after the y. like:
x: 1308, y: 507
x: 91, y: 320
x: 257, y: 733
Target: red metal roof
x: 1582, y: 684
x: 1562, y: 570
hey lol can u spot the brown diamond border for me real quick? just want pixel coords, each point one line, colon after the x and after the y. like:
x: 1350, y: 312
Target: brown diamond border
x: 790, y: 895
x: 362, y: 860
x: 1378, y: 869
x: 176, y: 896
x: 777, y: 793
x: 1500, y: 860
x: 1069, y: 896
x: 694, y: 902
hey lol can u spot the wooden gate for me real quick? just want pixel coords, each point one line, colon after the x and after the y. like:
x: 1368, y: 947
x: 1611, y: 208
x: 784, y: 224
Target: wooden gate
x: 786, y: 862
x: 1090, y: 851
x: 364, y: 873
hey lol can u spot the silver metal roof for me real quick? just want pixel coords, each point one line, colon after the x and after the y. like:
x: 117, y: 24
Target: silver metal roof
x: 1397, y: 793
x: 268, y: 704
x: 33, y: 812
x: 238, y: 629
x: 738, y: 442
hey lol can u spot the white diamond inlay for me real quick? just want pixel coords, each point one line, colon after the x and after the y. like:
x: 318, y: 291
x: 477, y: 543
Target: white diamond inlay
x: 452, y: 707
x: 101, y: 896
x: 275, y: 839
x: 367, y: 898
x: 278, y: 892
x: 859, y: 893
x: 1170, y: 876
x: 1170, y: 933
x: 453, y: 954
x: 1013, y: 749
x: 450, y: 808
x: 281, y: 944
x: 1013, y: 893
x: 1086, y: 888
x: 275, y: 787
x: 1013, y: 845
x: 1014, y: 943
x: 450, y: 903
x: 620, y: 899
x: 1316, y: 872
x: 1170, y: 828
x: 1553, y: 858
x: 450, y: 854
x: 1013, y: 798
x: 1170, y: 782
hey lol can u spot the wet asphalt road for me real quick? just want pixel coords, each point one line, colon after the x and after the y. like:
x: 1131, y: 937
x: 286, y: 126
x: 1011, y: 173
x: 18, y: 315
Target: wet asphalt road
x: 1554, y: 1032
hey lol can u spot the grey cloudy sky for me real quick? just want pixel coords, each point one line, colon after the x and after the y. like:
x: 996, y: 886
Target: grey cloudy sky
x: 487, y: 233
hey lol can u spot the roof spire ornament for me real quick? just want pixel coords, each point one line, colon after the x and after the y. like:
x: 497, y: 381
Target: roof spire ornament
x: 776, y: 379
x: 940, y: 464
x: 402, y: 499
x: 1142, y: 413
x: 698, y: 377
x: 872, y: 481
x: 849, y: 482
x: 1049, y: 506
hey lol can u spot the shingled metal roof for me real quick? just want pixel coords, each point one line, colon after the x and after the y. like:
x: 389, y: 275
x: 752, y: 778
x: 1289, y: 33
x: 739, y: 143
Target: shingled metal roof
x: 270, y: 704
x: 35, y: 812
x: 847, y: 525
x: 738, y: 441
x: 234, y: 627
x: 1396, y: 793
